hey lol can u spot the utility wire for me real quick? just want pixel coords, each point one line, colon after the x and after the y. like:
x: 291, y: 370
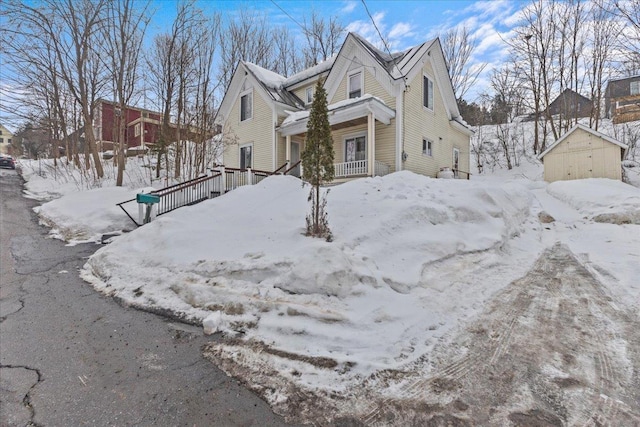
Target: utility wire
x: 384, y: 42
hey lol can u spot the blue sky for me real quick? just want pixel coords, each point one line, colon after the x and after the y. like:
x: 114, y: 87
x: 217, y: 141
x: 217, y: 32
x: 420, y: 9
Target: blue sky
x: 403, y: 23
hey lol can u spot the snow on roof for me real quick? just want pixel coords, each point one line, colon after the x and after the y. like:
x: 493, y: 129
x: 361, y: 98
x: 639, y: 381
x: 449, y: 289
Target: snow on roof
x: 310, y: 72
x: 269, y: 78
x: 273, y: 84
x: 295, y: 116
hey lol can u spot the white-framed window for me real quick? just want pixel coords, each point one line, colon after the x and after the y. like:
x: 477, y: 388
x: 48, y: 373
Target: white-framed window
x: 634, y: 88
x: 355, y: 84
x: 427, y: 92
x: 427, y: 147
x: 246, y: 105
x: 355, y: 148
x: 309, y: 95
x: 136, y: 129
x: 246, y: 156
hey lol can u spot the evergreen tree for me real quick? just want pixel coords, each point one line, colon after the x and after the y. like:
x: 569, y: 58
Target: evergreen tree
x: 317, y: 162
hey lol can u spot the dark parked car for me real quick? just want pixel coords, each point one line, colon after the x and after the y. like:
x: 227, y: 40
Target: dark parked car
x: 7, y: 162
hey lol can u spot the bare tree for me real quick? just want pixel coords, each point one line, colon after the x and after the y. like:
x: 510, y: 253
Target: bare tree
x: 248, y: 37
x: 287, y: 59
x: 55, y: 42
x: 126, y: 21
x: 76, y: 39
x: 506, y: 100
x: 604, y: 37
x: 204, y: 111
x: 629, y: 12
x: 324, y: 38
x: 458, y: 46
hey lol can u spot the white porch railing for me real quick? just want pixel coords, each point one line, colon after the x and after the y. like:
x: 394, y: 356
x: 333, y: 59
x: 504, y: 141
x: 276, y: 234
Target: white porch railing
x: 359, y: 167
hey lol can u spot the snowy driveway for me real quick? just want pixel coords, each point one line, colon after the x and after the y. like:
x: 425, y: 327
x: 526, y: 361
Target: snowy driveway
x: 552, y: 348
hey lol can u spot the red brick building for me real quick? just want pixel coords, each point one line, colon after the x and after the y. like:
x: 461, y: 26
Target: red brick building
x: 142, y: 127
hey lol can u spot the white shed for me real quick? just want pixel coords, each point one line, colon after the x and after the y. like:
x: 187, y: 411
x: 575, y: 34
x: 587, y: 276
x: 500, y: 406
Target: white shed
x: 583, y: 153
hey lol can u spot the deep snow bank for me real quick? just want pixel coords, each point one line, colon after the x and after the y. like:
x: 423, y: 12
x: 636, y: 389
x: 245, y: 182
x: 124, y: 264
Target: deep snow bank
x: 367, y: 300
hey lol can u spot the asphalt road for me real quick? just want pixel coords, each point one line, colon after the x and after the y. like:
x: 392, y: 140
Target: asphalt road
x: 72, y: 357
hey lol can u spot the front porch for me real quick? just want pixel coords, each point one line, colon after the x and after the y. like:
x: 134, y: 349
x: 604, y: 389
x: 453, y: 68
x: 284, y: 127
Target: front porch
x: 358, y: 145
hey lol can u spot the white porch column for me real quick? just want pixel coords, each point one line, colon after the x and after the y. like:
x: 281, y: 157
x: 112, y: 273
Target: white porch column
x: 288, y: 153
x: 371, y: 142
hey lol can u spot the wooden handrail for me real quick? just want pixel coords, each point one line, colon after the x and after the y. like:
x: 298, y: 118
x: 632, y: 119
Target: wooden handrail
x: 184, y: 185
x: 284, y: 166
x: 292, y: 167
x: 460, y: 170
x: 178, y: 184
x: 244, y: 170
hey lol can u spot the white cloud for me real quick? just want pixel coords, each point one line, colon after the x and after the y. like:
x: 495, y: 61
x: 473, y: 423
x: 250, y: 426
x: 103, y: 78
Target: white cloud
x: 401, y: 30
x: 348, y: 7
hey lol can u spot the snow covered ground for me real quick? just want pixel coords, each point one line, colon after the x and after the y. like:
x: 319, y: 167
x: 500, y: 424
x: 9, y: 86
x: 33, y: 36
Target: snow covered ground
x: 413, y: 260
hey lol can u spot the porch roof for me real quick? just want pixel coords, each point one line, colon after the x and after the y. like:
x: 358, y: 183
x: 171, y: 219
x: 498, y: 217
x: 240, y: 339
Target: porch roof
x: 340, y: 112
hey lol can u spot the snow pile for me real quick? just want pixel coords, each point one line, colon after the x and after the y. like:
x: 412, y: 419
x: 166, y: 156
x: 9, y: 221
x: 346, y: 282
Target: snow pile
x: 85, y: 216
x: 368, y: 300
x: 603, y: 200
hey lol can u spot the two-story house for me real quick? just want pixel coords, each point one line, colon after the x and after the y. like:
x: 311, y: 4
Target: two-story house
x: 388, y: 112
x: 570, y: 104
x: 622, y: 99
x: 142, y: 127
x: 5, y: 140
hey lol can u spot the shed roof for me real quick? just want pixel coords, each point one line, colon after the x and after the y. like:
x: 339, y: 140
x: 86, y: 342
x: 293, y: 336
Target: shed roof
x: 586, y: 129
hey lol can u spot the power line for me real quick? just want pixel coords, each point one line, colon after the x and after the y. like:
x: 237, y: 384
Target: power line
x: 384, y: 43
x: 290, y: 17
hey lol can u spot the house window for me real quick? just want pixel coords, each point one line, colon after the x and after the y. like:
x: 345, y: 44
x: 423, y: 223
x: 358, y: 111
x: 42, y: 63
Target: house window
x: 136, y: 130
x: 309, y: 95
x: 9, y: 141
x: 634, y: 88
x: 1, y: 140
x: 427, y: 147
x: 246, y: 156
x: 427, y: 92
x: 246, y: 106
x: 355, y: 149
x: 355, y: 85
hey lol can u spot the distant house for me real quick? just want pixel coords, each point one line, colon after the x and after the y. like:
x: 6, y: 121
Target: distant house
x: 142, y: 127
x: 583, y: 153
x: 6, y: 137
x: 388, y: 112
x: 622, y: 99
x: 571, y: 104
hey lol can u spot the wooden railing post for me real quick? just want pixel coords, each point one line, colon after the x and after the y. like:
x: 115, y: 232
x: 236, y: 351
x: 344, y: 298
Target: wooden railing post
x: 249, y: 177
x: 223, y: 180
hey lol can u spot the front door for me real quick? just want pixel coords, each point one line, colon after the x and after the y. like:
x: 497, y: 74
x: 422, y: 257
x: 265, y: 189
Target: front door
x: 295, y: 156
x: 355, y: 149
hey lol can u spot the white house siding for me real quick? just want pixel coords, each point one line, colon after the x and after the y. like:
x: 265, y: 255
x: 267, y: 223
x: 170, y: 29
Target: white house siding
x: 583, y: 155
x: 422, y: 123
x: 371, y: 86
x: 258, y: 130
x: 385, y: 134
x: 386, y: 143
x: 301, y: 92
